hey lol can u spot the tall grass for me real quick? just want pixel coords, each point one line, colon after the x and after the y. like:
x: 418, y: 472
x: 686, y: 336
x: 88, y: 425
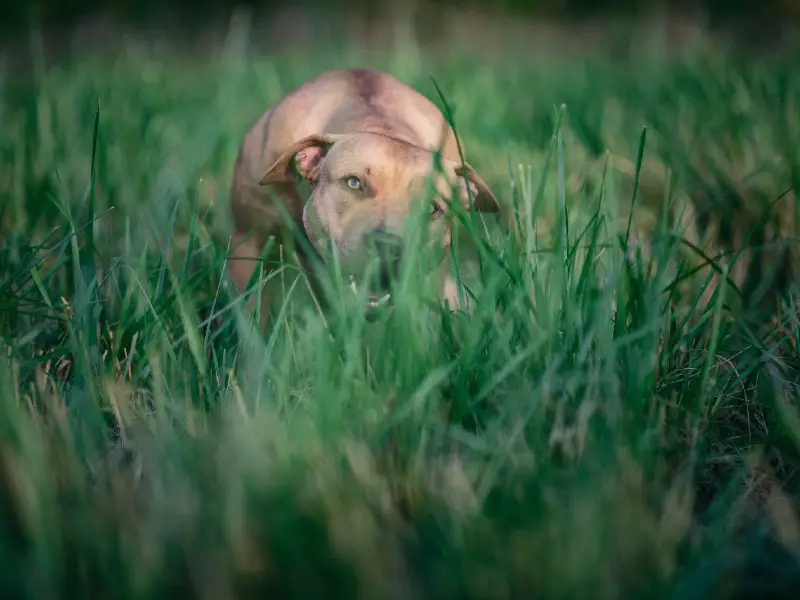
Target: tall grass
x: 616, y: 416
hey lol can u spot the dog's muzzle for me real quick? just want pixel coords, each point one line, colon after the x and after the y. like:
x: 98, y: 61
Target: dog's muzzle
x: 388, y: 249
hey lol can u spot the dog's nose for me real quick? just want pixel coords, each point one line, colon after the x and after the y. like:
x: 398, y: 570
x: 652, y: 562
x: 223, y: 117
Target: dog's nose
x: 388, y: 246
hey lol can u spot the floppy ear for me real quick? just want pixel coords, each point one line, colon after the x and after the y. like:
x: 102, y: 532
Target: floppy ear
x: 302, y: 157
x: 483, y: 200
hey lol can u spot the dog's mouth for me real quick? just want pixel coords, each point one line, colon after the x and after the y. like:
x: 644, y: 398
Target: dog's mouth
x: 374, y: 300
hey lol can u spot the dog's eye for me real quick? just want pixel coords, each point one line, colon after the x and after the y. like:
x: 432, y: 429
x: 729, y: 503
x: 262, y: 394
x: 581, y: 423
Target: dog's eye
x: 354, y: 183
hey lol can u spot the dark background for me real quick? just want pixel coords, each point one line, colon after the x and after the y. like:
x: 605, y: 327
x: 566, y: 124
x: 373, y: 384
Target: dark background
x: 754, y: 13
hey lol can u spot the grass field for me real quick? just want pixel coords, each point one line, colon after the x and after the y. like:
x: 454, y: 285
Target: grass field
x: 617, y: 418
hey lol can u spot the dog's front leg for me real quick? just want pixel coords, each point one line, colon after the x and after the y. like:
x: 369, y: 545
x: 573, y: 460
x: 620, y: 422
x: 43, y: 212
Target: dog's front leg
x: 242, y: 263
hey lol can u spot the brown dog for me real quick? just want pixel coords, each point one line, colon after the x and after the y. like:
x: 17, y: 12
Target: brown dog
x: 364, y: 143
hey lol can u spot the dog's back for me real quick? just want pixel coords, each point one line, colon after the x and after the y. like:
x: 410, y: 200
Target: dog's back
x: 366, y: 100
x: 347, y: 101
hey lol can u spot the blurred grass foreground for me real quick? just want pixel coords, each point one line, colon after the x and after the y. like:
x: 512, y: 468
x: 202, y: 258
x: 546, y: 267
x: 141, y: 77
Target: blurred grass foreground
x: 617, y: 418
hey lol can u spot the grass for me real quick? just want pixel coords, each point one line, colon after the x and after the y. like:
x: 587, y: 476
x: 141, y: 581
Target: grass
x: 617, y: 418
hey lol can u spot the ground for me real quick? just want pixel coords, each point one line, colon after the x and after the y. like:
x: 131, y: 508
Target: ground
x: 617, y: 418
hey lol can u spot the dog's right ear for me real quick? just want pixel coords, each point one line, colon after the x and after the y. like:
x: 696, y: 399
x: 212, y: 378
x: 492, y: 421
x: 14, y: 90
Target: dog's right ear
x: 303, y: 157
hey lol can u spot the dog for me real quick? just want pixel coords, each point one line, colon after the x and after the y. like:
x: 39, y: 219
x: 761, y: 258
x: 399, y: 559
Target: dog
x: 362, y: 143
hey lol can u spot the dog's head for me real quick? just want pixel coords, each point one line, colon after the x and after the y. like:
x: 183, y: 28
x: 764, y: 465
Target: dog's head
x: 364, y: 188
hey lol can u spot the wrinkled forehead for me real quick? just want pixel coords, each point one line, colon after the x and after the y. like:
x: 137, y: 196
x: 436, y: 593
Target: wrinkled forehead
x: 377, y: 156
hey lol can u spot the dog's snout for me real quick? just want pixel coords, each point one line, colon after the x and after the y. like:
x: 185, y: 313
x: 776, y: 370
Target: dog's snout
x: 389, y: 246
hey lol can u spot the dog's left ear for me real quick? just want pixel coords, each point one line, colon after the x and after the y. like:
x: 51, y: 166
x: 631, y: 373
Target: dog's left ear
x: 483, y: 200
x: 302, y: 157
